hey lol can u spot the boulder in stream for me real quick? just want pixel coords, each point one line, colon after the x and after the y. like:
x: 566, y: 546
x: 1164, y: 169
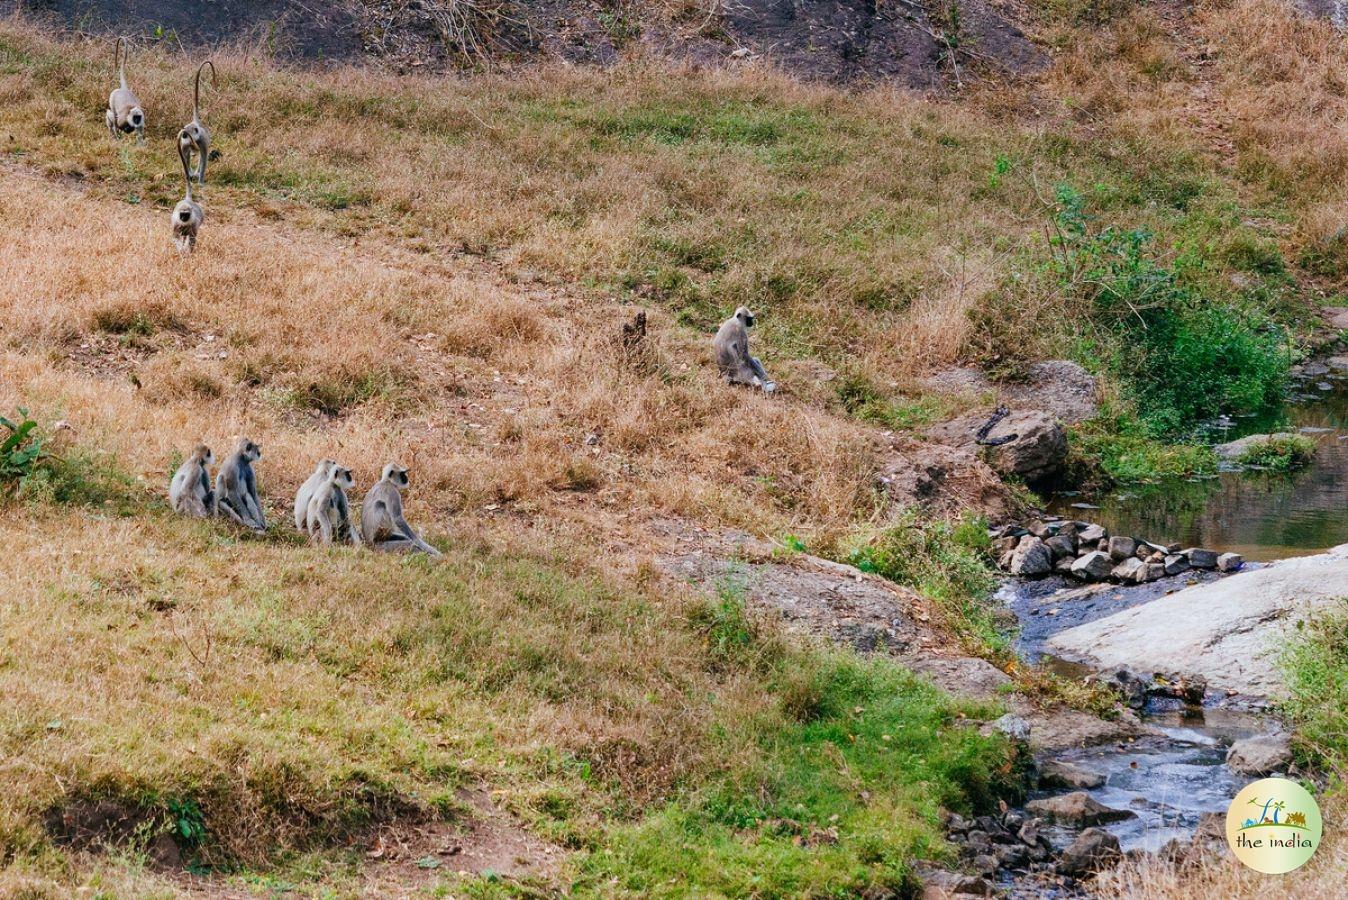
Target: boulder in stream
x: 1227, y: 631
x: 1230, y: 562
x: 1200, y: 558
x: 1120, y: 548
x: 1077, y: 808
x: 1260, y: 755
x: 1060, y: 773
x: 1131, y: 569
x: 1175, y: 564
x: 940, y: 884
x: 1093, y: 850
x: 1031, y: 557
x: 1092, y: 534
x: 1094, y: 566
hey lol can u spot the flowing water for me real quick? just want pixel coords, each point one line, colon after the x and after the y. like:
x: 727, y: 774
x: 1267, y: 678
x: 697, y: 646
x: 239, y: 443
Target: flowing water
x: 1260, y: 515
x: 1176, y: 774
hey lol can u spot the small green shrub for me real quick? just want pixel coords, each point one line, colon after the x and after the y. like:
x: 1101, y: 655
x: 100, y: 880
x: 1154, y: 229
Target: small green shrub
x: 79, y: 477
x: 1280, y: 453
x: 1180, y: 353
x: 1315, y: 667
x: 19, y: 451
x: 947, y: 562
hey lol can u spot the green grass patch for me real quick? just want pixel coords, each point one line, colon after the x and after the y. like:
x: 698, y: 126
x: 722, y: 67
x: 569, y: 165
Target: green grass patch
x: 947, y: 562
x: 1119, y: 448
x: 1315, y: 665
x: 1280, y: 453
x: 29, y: 471
x: 833, y: 791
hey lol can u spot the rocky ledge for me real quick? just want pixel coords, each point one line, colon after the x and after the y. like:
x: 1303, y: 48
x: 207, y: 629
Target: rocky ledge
x: 1090, y: 553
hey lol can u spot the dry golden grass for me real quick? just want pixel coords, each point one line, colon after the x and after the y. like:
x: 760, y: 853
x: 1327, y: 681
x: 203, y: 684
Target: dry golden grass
x: 1221, y: 875
x: 435, y: 271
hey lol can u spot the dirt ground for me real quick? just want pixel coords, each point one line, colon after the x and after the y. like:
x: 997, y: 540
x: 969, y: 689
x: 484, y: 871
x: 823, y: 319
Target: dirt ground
x: 905, y: 42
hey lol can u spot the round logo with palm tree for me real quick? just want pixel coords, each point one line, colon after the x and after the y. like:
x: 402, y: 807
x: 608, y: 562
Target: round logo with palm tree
x: 1273, y: 826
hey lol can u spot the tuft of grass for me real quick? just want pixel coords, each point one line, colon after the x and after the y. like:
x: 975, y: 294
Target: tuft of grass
x: 1315, y: 667
x: 947, y: 562
x: 1117, y: 447
x: 1280, y: 453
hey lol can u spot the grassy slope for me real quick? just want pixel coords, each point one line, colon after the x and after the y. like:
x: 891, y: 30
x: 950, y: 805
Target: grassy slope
x: 866, y: 226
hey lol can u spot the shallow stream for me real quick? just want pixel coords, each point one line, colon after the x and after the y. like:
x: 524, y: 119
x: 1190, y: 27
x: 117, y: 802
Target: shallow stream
x: 1262, y: 516
x: 1177, y: 773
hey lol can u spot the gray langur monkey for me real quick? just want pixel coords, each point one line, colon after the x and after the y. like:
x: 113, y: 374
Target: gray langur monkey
x: 195, y: 136
x: 124, y: 114
x: 732, y: 353
x: 190, y: 491
x: 329, y: 515
x: 236, y: 487
x: 311, y: 484
x: 187, y: 217
x: 382, y: 525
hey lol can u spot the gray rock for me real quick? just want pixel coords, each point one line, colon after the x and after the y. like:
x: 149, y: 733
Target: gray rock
x: 1094, y: 566
x: 985, y: 864
x: 1260, y: 755
x: 1314, y: 369
x: 1039, y: 528
x: 1031, y: 833
x: 940, y: 884
x: 1338, y: 363
x: 1131, y: 570
x: 1061, y: 545
x: 1229, y: 630
x: 1233, y: 450
x: 1070, y: 529
x: 1077, y: 808
x: 1130, y: 686
x: 1037, y: 450
x: 1031, y: 557
x: 1230, y: 562
x: 1012, y: 726
x: 1176, y: 563
x: 1200, y: 558
x: 1012, y: 856
x: 1064, y: 565
x: 1004, y: 545
x: 1155, y: 570
x: 1062, y: 774
x: 1092, y: 534
x: 1093, y: 850
x: 1120, y: 548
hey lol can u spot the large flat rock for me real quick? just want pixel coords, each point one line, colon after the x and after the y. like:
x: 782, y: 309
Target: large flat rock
x: 1228, y: 631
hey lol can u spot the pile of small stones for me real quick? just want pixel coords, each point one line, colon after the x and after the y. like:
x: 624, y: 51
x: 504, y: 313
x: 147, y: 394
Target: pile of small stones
x: 1016, y: 843
x: 1090, y: 553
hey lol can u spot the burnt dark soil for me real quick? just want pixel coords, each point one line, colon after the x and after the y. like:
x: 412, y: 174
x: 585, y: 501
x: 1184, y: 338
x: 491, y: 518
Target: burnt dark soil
x: 843, y: 41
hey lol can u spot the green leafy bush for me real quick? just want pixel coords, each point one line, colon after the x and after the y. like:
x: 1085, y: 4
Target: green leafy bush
x: 1118, y: 447
x: 19, y: 451
x: 1180, y: 354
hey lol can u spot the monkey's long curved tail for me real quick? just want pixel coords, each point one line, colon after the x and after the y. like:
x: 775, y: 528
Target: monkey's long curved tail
x: 119, y: 60
x: 196, y: 90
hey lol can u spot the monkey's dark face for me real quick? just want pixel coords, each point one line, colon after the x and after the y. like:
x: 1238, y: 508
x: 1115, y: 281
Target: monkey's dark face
x: 137, y: 119
x: 399, y: 477
x: 343, y: 479
x: 185, y: 215
x: 251, y: 452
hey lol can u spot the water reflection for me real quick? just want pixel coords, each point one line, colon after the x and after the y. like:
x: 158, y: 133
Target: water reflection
x: 1260, y: 515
